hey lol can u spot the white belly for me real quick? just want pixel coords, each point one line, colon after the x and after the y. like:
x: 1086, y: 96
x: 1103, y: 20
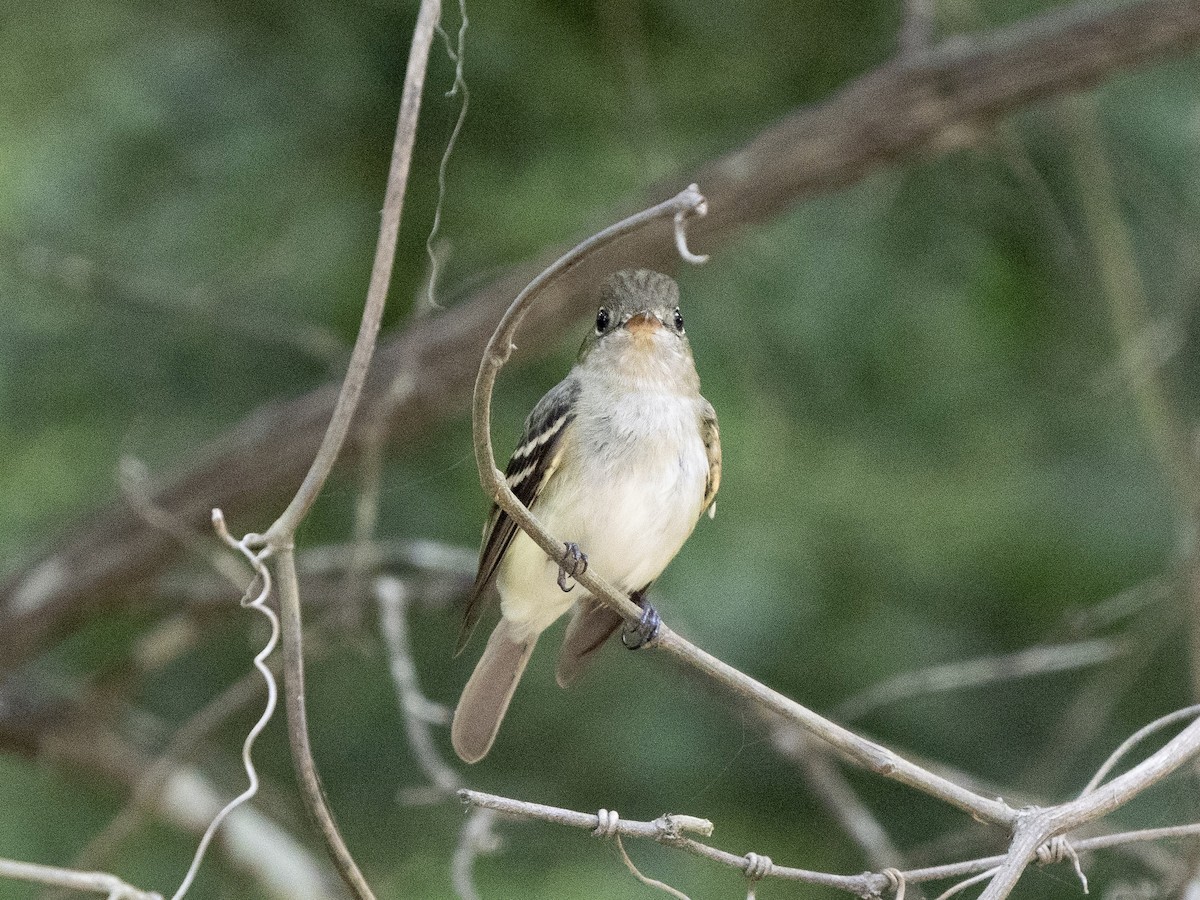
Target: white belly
x: 630, y: 510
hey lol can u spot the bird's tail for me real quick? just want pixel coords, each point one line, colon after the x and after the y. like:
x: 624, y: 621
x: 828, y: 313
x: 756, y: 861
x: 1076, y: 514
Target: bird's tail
x: 591, y: 625
x: 487, y: 694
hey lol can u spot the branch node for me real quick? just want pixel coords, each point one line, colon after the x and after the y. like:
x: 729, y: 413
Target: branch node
x: 757, y: 867
x: 671, y: 826
x: 695, y: 205
x: 895, y: 880
x: 1058, y: 849
x: 607, y: 821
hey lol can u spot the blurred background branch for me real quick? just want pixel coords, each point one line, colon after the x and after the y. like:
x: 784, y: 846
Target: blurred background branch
x: 936, y: 103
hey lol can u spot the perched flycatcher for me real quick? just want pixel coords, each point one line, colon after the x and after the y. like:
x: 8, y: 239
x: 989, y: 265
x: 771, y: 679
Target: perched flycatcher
x: 619, y: 459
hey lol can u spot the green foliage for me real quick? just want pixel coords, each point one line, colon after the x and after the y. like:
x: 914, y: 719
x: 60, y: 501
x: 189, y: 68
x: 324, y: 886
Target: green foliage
x: 931, y: 449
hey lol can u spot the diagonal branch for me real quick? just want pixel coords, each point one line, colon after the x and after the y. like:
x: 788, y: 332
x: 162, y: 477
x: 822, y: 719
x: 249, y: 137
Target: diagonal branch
x: 927, y: 103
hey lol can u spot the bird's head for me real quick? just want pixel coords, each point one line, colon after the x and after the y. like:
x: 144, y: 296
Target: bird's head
x: 639, y: 327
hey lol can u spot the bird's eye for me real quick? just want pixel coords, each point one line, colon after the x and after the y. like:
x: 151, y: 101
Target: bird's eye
x: 678, y: 320
x: 602, y: 320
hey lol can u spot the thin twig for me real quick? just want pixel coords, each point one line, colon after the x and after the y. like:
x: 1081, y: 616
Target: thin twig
x: 673, y: 831
x: 666, y: 830
x: 256, y: 602
x: 1123, y: 291
x: 646, y: 879
x: 457, y: 56
x: 139, y: 494
x: 869, y: 755
x: 986, y: 670
x: 150, y: 786
x: 835, y: 792
x: 1189, y: 712
x: 477, y: 835
x: 280, y: 533
x: 425, y: 555
x: 1034, y: 826
x: 297, y: 725
x: 96, y: 882
x: 392, y: 598
x: 279, y: 537
x: 475, y: 838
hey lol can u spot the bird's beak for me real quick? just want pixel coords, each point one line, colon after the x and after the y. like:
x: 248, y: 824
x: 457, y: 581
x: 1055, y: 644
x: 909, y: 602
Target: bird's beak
x: 644, y: 323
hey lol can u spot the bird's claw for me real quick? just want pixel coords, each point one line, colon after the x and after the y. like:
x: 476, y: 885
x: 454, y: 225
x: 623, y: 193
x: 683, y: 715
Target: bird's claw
x: 636, y: 636
x: 573, y: 564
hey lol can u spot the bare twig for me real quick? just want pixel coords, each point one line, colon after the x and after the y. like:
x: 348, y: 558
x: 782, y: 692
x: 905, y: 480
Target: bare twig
x: 1115, y: 260
x: 95, y: 882
x: 476, y: 837
x: 182, y: 796
x: 279, y: 537
x: 298, y: 739
x: 869, y: 755
x: 1034, y: 826
x: 425, y: 555
x: 646, y: 879
x: 456, y: 54
x: 885, y: 116
x: 672, y: 830
x: 418, y: 710
x: 1136, y: 738
x: 281, y: 531
x: 281, y: 866
x: 256, y: 601
x: 831, y: 787
x: 978, y: 672
x: 139, y: 494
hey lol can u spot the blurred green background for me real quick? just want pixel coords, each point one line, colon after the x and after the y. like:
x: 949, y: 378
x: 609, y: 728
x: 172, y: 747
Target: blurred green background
x: 943, y: 439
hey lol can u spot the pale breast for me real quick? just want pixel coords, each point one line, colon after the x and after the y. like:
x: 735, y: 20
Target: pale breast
x: 633, y: 508
x: 629, y: 502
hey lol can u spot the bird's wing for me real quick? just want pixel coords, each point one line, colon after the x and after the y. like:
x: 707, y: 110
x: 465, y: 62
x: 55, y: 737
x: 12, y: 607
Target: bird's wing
x: 538, y: 454
x: 711, y: 435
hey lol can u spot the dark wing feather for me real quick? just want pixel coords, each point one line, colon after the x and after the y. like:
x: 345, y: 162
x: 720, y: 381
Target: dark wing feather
x: 536, y: 457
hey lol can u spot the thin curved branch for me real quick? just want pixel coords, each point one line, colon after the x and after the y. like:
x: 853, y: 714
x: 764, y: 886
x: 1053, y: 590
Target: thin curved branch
x: 280, y: 533
x: 500, y: 346
x: 279, y: 537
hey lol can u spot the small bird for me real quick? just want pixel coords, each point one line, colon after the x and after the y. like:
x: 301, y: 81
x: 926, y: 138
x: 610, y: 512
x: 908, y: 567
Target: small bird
x: 620, y: 458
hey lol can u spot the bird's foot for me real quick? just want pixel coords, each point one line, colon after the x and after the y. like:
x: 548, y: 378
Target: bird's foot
x: 636, y: 636
x: 573, y: 564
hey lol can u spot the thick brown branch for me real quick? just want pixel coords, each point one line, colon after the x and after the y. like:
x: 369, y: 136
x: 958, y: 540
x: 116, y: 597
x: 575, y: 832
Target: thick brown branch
x: 927, y: 103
